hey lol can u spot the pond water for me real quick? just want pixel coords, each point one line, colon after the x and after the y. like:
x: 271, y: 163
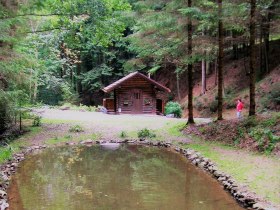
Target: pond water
x: 130, y: 177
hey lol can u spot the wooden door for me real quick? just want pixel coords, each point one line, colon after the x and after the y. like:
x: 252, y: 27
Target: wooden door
x: 137, y: 101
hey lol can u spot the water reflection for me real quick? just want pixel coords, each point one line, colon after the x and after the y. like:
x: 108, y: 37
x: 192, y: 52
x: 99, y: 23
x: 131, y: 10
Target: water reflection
x: 131, y: 177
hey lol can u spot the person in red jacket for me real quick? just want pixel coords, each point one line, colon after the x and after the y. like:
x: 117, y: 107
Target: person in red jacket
x: 239, y: 108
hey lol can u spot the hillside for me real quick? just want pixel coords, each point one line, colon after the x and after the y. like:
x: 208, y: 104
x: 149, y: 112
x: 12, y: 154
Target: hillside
x: 236, y: 85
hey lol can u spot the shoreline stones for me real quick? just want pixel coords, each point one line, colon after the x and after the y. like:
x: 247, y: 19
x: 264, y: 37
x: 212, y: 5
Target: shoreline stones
x: 240, y: 194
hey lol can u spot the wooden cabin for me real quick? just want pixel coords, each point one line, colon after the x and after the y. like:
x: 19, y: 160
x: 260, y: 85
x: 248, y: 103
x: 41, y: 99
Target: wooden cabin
x: 136, y: 94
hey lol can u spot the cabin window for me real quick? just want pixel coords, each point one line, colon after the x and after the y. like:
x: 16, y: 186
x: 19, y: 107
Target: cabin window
x: 147, y: 101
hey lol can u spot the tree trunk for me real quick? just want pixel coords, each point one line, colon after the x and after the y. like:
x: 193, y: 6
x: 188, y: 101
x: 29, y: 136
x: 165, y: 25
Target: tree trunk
x: 261, y: 48
x: 178, y: 85
x: 252, y: 109
x: 220, y: 62
x: 234, y: 46
x: 78, y: 79
x: 203, y: 77
x: 216, y: 72
x: 190, y: 68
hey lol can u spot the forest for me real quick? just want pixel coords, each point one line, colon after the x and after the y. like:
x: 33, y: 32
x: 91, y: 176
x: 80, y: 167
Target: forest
x: 54, y: 52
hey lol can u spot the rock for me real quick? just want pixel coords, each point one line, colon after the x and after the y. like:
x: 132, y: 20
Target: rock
x: 3, y: 194
x: 217, y: 174
x: 177, y: 149
x: 202, y: 164
x: 167, y: 144
x: 131, y: 141
x: 88, y: 141
x: 189, y: 152
x: 221, y: 178
x: 193, y: 156
x: 259, y: 206
x: 194, y: 162
x: 155, y: 144
x: 3, y: 205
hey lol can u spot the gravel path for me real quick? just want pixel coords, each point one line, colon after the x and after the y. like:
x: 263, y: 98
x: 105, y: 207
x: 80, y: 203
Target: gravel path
x: 57, y: 123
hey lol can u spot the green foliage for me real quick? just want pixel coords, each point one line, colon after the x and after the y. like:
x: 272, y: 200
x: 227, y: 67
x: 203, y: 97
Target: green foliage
x: 271, y: 121
x: 173, y: 108
x: 146, y: 133
x: 265, y: 139
x: 123, y: 134
x: 250, y: 122
x: 76, y: 129
x: 239, y: 136
x: 274, y: 95
x: 213, y: 106
x: 5, y: 115
x: 37, y: 121
x: 5, y: 154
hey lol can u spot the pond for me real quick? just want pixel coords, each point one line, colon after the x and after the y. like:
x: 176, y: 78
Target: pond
x: 125, y: 177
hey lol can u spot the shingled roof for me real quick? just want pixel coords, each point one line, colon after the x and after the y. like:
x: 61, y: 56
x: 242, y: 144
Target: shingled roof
x: 116, y: 84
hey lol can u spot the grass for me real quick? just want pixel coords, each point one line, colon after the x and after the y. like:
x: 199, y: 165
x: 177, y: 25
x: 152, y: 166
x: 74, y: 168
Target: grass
x: 14, y: 145
x: 175, y: 128
x: 243, y: 167
x: 71, y: 138
x: 57, y: 121
x: 5, y: 154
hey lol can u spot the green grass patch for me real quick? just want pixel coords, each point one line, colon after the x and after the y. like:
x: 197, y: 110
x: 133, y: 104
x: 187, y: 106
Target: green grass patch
x: 175, y: 129
x: 13, y: 145
x: 5, y: 154
x: 73, y: 138
x: 57, y: 121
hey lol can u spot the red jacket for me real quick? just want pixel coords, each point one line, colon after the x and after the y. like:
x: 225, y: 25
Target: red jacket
x: 239, y: 106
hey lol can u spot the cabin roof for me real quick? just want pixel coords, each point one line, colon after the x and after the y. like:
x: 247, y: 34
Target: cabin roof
x: 116, y: 84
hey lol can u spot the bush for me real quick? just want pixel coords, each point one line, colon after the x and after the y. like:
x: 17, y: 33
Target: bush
x: 123, y: 134
x: 76, y: 129
x: 198, y: 105
x: 37, y: 121
x: 5, y: 154
x: 213, y: 106
x: 265, y: 139
x: 274, y: 95
x: 250, y: 122
x: 5, y: 111
x: 146, y: 133
x: 173, y: 108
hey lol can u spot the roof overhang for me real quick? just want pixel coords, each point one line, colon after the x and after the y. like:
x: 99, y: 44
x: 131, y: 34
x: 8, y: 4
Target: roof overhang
x: 118, y: 83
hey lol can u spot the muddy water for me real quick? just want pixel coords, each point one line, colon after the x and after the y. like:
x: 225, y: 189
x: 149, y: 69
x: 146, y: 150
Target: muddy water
x: 128, y: 178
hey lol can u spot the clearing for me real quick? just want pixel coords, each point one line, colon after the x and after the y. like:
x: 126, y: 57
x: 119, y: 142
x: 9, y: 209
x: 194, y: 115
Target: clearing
x: 257, y: 172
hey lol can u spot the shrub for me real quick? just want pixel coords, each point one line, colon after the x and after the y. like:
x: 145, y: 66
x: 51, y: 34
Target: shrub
x: 76, y: 129
x: 173, y: 108
x: 198, y: 105
x: 37, y: 121
x: 5, y: 154
x: 274, y: 95
x: 145, y: 133
x: 6, y: 111
x: 213, y: 106
x: 265, y: 139
x: 250, y: 122
x: 123, y: 134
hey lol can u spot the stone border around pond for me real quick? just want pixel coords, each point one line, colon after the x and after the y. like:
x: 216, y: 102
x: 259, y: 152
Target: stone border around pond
x: 244, y: 197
